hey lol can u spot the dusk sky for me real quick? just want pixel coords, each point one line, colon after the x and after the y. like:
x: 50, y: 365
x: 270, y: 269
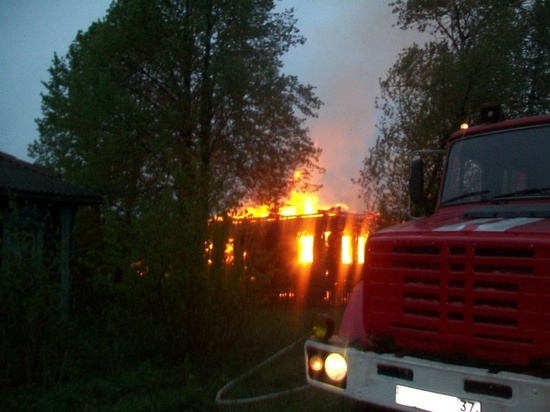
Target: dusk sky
x: 350, y: 45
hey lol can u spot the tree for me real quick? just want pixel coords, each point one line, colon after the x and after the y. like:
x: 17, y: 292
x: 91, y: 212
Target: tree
x: 177, y: 110
x: 179, y: 106
x: 481, y: 53
x: 536, y: 59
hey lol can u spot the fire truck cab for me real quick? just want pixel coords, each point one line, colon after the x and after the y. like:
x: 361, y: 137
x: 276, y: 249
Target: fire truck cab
x: 453, y: 311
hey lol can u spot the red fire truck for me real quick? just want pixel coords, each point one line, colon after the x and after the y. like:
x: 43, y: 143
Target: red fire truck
x: 453, y: 311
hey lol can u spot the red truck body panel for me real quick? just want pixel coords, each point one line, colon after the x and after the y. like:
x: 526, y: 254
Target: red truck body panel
x: 477, y: 287
x: 500, y: 126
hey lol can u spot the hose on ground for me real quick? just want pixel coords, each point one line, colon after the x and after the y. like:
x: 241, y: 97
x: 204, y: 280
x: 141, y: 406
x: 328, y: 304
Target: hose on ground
x: 261, y: 398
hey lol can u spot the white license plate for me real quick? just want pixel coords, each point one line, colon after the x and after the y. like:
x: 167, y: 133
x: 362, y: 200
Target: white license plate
x: 433, y: 402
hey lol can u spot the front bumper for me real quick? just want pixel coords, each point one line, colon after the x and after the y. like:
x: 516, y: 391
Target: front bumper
x: 378, y: 378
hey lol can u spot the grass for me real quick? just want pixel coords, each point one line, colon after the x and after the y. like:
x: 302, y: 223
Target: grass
x: 193, y: 384
x: 277, y: 328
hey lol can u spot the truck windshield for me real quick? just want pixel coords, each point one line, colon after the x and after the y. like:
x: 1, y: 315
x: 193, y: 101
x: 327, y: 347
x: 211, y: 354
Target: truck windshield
x: 501, y: 165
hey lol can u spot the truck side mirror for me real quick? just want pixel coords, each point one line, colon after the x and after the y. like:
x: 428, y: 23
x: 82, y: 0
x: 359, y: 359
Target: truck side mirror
x: 416, y: 181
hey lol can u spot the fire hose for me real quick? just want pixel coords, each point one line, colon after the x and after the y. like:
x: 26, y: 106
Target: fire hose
x: 242, y: 401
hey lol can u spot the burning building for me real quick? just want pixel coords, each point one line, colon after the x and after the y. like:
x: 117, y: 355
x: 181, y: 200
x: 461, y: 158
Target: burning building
x: 312, y: 257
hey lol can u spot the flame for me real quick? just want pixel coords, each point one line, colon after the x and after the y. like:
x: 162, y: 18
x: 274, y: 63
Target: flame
x: 305, y: 248
x: 229, y: 251
x: 261, y: 211
x: 297, y: 204
x: 361, y: 243
x: 208, y: 247
x: 347, y: 250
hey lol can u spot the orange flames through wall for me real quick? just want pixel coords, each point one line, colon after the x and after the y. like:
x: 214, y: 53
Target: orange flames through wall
x: 304, y: 204
x: 298, y: 204
x: 305, y: 248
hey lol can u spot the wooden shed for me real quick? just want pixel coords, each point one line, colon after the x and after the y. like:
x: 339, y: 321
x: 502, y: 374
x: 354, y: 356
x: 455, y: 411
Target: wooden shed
x: 37, y: 209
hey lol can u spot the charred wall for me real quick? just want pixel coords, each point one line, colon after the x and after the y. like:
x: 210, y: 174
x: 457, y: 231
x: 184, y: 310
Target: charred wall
x: 300, y: 258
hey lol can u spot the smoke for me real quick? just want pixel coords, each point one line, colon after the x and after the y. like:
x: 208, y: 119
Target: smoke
x: 350, y: 46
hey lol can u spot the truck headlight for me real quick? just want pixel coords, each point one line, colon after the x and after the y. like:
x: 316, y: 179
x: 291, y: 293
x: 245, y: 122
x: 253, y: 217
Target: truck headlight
x: 330, y: 368
x: 336, y: 367
x: 316, y: 363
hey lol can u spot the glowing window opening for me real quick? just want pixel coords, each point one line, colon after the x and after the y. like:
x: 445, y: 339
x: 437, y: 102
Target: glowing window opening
x: 361, y: 243
x: 305, y: 248
x: 347, y: 250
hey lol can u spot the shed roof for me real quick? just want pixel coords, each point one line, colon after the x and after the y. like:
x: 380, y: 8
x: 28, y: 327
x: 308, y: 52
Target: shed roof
x: 29, y: 181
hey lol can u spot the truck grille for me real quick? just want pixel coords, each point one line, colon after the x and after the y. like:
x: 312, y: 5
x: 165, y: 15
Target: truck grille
x: 485, y: 301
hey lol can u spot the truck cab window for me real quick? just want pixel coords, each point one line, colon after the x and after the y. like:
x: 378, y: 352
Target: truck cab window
x: 512, y: 163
